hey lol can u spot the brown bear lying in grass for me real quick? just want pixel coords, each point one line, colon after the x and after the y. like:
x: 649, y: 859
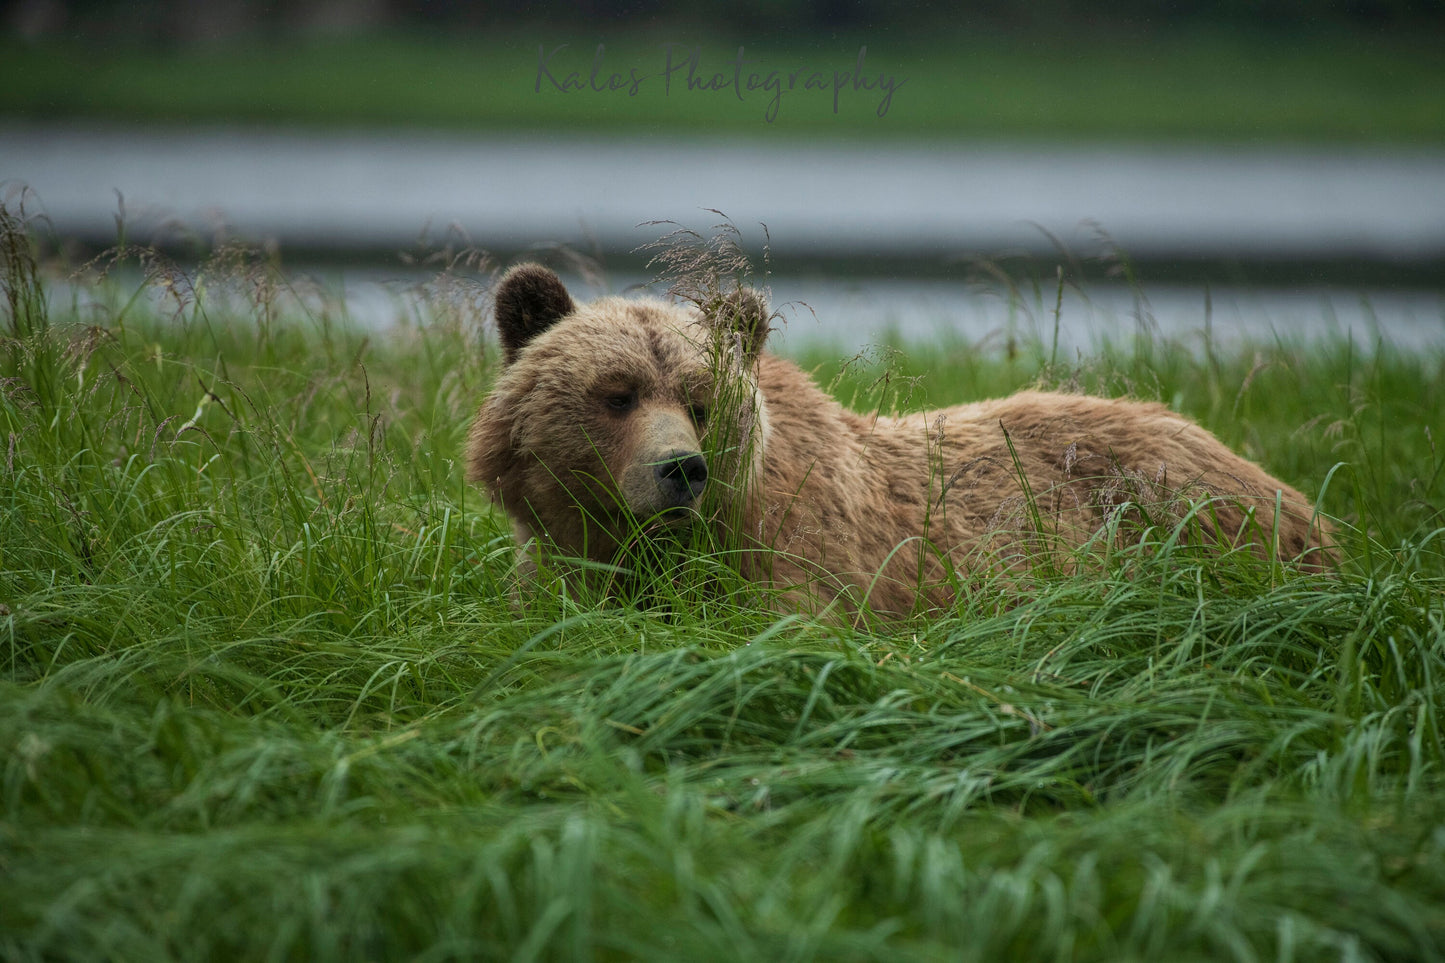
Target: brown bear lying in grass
x: 619, y: 424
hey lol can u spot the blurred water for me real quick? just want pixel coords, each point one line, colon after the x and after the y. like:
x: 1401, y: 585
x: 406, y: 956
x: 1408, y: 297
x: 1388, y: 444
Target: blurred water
x: 932, y: 201
x: 908, y: 198
x: 848, y: 314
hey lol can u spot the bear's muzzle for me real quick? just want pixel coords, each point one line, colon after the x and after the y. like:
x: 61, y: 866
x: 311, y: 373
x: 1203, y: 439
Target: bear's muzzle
x: 668, y: 472
x: 681, y: 477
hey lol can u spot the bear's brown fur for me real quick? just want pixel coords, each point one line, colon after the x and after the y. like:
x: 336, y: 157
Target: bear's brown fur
x: 626, y: 415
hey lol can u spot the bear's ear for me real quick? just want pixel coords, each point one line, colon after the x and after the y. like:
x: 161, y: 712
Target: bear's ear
x: 529, y: 300
x: 744, y: 312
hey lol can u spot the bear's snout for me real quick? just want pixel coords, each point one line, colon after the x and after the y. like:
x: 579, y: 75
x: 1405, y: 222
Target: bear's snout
x: 665, y: 471
x: 681, y: 476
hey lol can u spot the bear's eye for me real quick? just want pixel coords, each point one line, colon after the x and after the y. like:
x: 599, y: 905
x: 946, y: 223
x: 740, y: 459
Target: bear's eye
x: 622, y: 401
x: 698, y: 413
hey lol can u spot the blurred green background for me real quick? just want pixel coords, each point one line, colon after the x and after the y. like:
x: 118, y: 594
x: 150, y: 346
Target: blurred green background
x: 1216, y: 70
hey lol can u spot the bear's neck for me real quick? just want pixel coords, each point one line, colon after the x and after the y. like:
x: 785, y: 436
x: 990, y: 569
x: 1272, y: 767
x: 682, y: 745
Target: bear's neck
x: 811, y: 442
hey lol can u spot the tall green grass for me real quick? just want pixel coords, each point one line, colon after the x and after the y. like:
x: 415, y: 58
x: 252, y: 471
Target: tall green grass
x: 263, y: 694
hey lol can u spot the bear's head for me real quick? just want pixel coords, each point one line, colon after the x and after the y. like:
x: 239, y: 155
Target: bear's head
x: 618, y: 416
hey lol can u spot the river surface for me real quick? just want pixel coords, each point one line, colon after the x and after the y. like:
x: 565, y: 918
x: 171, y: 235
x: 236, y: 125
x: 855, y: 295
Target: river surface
x: 846, y: 314
x: 936, y: 202
x: 914, y: 198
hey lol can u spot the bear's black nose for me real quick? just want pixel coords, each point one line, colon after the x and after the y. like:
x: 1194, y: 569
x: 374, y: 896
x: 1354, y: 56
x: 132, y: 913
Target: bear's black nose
x: 681, y: 476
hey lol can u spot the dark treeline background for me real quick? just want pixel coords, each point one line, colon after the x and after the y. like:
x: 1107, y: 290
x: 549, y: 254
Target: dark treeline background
x: 221, y: 20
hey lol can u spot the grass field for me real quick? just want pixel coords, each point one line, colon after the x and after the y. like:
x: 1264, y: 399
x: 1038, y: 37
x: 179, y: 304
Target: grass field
x: 1241, y: 87
x: 262, y: 695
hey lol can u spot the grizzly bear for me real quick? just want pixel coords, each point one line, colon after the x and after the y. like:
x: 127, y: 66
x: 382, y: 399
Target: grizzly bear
x: 620, y: 423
